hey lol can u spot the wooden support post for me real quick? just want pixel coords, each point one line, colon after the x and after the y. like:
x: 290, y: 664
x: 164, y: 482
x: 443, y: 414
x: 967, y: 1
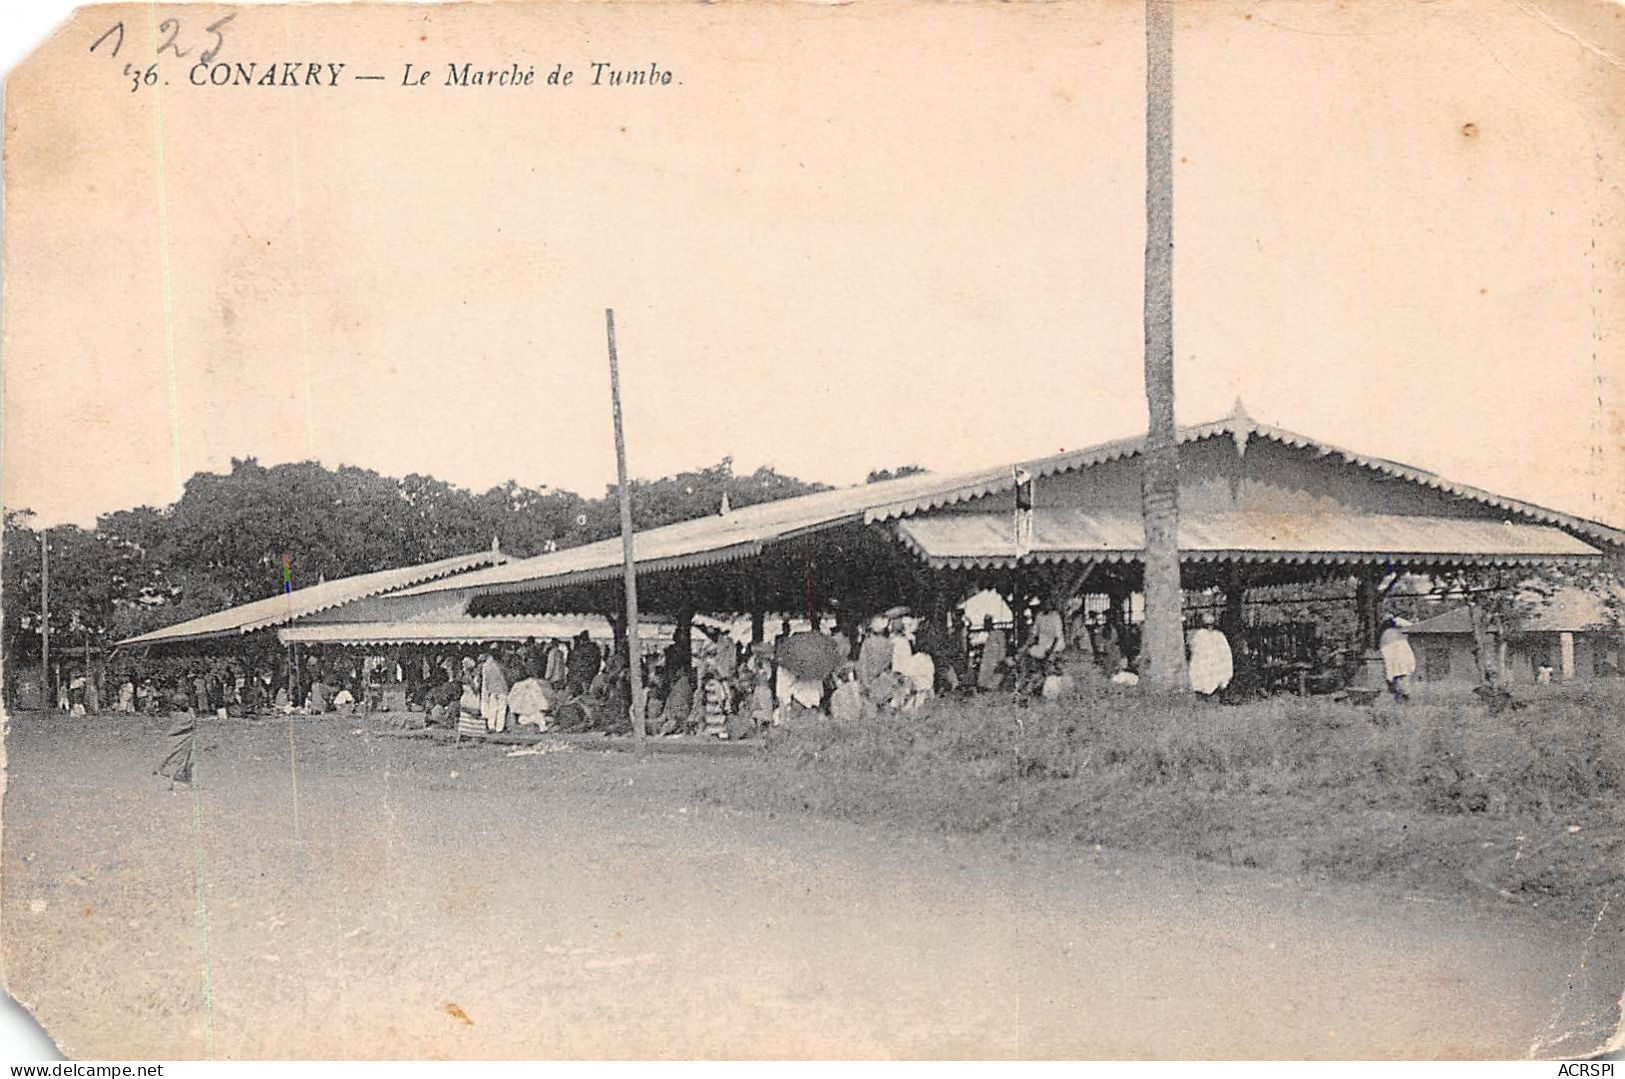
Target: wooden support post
x: 1370, y: 675
x: 1231, y: 619
x: 1232, y: 623
x: 683, y: 637
x: 806, y: 581
x: 1018, y: 610
x: 629, y: 564
x: 1365, y: 606
x: 47, y: 691
x: 758, y: 612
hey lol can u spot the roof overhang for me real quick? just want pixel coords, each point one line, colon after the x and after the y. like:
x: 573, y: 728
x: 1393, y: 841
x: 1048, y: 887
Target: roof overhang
x: 990, y: 541
x: 463, y: 631
x: 286, y: 607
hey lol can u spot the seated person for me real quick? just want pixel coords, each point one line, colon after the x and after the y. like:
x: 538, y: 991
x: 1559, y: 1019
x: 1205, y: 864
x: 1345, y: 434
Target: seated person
x: 320, y: 697
x: 711, y: 707
x: 762, y: 713
x: 530, y: 702
x: 847, y: 703
x: 446, y: 693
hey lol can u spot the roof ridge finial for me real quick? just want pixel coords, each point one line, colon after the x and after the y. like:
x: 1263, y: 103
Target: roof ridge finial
x: 1241, y: 426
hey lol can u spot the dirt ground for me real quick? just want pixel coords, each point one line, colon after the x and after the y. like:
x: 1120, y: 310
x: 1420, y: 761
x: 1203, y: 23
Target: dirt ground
x: 331, y: 892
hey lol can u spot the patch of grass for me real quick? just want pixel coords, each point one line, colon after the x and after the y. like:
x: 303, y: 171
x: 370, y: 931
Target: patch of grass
x: 1441, y: 796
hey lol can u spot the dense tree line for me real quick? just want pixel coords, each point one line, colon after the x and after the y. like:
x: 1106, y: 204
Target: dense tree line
x: 228, y: 538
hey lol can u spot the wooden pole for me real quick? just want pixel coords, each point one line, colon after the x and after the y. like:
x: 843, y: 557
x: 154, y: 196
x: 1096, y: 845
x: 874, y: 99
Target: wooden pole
x: 634, y: 646
x: 47, y: 693
x: 1162, y: 651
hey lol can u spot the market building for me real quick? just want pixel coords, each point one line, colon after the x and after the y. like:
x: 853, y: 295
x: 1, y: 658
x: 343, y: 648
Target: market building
x: 1260, y: 507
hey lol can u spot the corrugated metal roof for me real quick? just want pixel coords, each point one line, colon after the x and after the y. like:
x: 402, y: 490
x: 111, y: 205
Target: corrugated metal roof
x: 746, y: 531
x: 1244, y: 427
x: 978, y: 540
x: 741, y: 533
x: 468, y: 630
x: 282, y: 609
x: 1455, y: 620
x: 1569, y: 609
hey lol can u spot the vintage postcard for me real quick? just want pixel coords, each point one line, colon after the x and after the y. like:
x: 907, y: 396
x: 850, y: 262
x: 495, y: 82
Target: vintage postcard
x: 893, y: 529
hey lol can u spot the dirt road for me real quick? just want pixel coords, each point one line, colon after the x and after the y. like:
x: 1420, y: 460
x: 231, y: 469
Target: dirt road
x: 373, y: 897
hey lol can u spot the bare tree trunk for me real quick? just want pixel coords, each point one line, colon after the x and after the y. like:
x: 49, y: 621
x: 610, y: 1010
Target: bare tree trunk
x: 1482, y: 654
x: 1162, y: 654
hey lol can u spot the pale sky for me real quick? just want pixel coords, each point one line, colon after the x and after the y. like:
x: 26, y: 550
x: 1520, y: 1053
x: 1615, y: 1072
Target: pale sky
x: 844, y: 238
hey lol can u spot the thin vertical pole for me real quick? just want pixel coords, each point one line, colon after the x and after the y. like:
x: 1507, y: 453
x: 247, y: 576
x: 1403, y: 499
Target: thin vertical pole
x: 1162, y: 649
x: 46, y: 689
x: 634, y: 646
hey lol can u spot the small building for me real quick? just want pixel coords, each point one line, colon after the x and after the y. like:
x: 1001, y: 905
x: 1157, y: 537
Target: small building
x: 1570, y: 632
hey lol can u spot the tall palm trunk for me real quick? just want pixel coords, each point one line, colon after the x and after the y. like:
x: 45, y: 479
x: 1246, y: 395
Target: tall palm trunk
x: 1162, y: 656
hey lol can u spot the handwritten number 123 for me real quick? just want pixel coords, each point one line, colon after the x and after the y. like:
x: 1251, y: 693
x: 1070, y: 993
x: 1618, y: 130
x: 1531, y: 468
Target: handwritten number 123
x: 172, y: 28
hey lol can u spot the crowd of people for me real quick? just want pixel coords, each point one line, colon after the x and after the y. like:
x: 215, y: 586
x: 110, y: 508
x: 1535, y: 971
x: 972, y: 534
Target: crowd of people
x: 713, y: 685
x: 218, y: 687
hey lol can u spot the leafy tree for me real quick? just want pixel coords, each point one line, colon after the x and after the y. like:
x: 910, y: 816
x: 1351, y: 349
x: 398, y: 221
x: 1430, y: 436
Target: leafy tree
x: 92, y: 582
x: 692, y: 494
x: 226, y: 539
x: 897, y: 473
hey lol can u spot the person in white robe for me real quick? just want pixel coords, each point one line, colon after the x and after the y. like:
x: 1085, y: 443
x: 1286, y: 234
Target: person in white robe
x: 1049, y: 633
x: 529, y: 703
x: 556, y: 670
x: 493, y: 695
x: 1211, y: 665
x: 1398, y: 661
x: 921, y: 671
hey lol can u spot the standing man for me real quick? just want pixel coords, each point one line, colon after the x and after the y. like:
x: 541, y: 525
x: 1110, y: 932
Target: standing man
x: 554, y: 672
x: 493, y: 693
x: 988, y: 670
x: 582, y: 666
x: 1398, y: 661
